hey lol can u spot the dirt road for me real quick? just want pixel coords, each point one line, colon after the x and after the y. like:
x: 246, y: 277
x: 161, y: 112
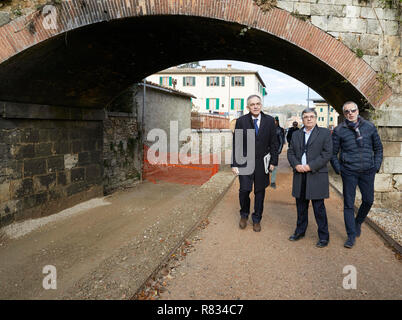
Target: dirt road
x: 226, y: 262
x: 106, y: 251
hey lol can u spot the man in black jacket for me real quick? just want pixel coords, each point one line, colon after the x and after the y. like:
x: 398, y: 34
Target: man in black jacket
x: 291, y: 131
x: 360, y: 157
x: 280, y: 134
x: 253, y: 139
x: 309, y: 152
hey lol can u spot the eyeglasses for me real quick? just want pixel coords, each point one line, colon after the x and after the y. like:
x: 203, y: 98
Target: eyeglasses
x: 258, y: 104
x: 350, y: 111
x: 308, y: 117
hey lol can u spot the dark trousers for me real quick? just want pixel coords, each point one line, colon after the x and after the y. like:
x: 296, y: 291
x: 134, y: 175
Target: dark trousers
x: 244, y: 197
x: 365, y: 181
x: 320, y: 213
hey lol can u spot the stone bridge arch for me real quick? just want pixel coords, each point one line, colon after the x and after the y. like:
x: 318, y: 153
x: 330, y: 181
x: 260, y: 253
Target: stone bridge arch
x: 98, y: 48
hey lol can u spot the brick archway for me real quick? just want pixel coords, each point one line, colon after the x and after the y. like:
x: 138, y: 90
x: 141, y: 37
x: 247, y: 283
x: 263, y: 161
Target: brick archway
x: 301, y: 49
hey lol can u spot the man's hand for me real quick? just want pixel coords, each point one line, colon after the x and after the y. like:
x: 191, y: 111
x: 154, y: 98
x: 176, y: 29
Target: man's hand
x: 235, y: 171
x: 271, y: 167
x: 306, y: 168
x: 300, y: 168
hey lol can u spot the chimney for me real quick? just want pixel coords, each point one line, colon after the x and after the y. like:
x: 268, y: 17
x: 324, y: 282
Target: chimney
x: 204, y: 68
x: 229, y: 67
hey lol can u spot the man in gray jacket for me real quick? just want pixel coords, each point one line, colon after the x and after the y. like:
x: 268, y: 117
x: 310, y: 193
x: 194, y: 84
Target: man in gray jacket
x: 309, y: 152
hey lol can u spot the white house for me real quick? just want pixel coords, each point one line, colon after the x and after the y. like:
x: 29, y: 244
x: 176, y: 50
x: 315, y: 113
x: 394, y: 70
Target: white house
x: 326, y: 115
x: 219, y: 91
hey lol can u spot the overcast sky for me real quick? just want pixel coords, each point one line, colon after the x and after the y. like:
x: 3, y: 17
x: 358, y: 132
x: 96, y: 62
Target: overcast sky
x: 282, y: 89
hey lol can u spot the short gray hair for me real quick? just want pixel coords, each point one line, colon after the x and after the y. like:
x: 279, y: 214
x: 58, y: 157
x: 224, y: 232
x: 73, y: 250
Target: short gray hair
x: 253, y: 96
x: 349, y: 102
x: 309, y: 110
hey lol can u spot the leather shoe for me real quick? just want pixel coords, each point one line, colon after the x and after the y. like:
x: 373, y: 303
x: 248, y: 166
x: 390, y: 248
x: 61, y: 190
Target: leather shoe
x: 322, y: 243
x: 257, y: 227
x: 349, y: 243
x: 243, y: 223
x: 295, y: 237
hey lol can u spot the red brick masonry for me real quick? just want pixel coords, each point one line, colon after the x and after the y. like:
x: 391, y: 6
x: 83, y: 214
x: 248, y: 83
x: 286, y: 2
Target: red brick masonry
x: 16, y: 37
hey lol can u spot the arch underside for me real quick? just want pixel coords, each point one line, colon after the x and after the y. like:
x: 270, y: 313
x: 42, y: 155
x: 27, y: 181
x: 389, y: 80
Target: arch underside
x: 89, y: 66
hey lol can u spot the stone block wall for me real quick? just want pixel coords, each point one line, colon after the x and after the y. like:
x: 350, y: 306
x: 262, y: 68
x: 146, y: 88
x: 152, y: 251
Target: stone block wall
x: 121, y: 150
x: 48, y: 165
x: 388, y: 183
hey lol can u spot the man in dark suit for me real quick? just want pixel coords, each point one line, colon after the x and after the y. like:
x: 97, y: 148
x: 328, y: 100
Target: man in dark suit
x: 253, y: 139
x: 291, y: 131
x: 309, y: 152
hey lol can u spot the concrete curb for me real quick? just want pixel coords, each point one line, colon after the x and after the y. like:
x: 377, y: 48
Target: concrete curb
x: 187, y: 234
x: 389, y: 240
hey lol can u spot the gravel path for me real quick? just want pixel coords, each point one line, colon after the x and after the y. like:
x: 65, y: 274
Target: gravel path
x: 221, y: 261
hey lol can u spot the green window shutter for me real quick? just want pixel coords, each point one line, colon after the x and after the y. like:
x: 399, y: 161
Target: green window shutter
x: 223, y: 81
x: 207, y: 81
x: 184, y: 81
x: 232, y: 104
x: 160, y: 80
x: 242, y: 81
x: 193, y: 81
x: 232, y: 81
x: 170, y: 81
x: 242, y: 104
x: 207, y: 103
x: 321, y: 110
x: 217, y: 83
x: 217, y: 103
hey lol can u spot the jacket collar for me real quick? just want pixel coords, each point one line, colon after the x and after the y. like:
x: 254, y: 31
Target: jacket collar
x: 313, y: 135
x: 262, y: 121
x: 362, y: 120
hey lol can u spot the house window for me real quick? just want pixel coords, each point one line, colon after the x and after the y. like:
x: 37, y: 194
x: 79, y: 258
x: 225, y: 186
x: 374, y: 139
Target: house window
x: 237, y: 104
x: 223, y: 81
x: 321, y: 109
x: 188, y: 81
x: 332, y: 109
x: 331, y: 119
x: 212, y: 104
x: 165, y: 81
x: 212, y: 81
x: 237, y: 81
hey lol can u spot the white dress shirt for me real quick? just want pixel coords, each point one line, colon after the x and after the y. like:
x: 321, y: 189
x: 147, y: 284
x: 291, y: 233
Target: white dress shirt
x: 306, y: 137
x: 258, y: 121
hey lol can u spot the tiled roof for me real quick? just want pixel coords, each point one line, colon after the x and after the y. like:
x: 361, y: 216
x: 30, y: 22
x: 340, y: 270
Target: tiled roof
x: 153, y: 85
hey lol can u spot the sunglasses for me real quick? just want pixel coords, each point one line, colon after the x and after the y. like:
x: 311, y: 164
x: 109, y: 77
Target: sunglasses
x: 349, y: 111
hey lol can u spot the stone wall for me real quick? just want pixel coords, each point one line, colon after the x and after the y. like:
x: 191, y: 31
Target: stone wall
x: 121, y: 150
x: 369, y: 28
x: 48, y: 164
